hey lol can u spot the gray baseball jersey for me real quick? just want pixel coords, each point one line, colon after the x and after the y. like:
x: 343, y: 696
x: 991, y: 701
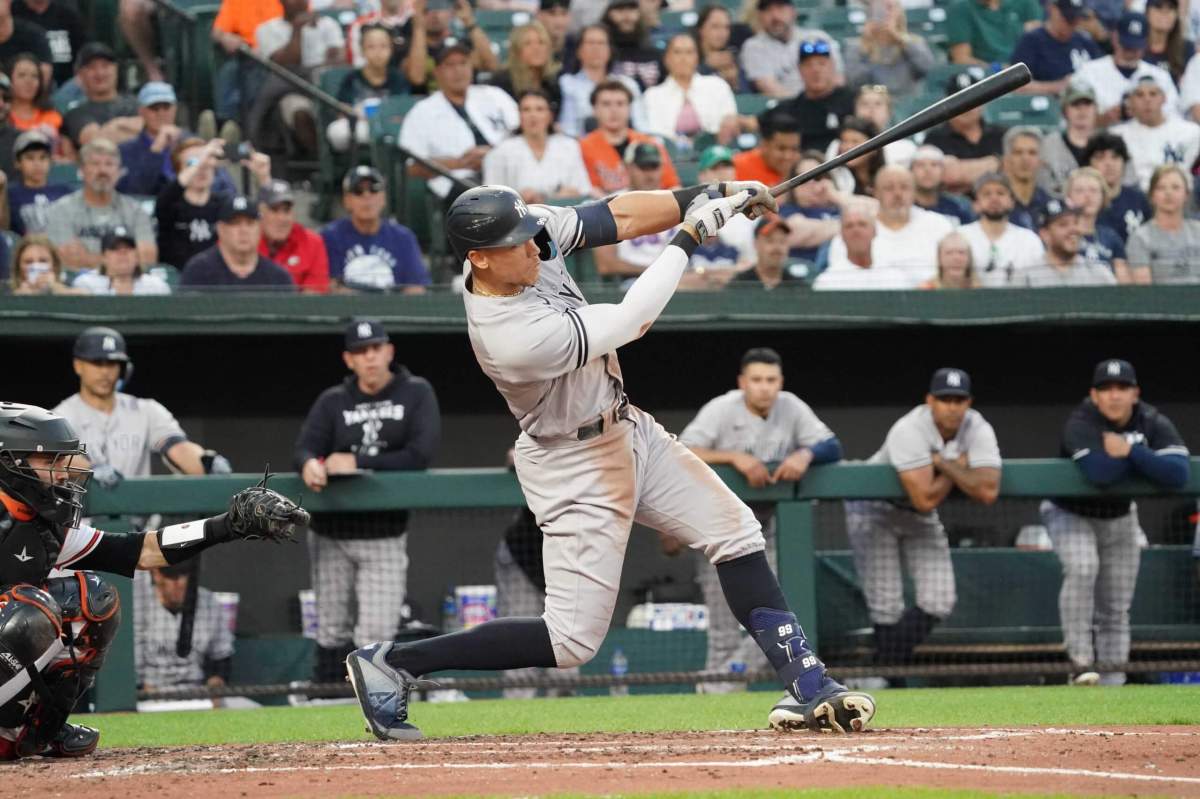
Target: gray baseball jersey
x: 726, y: 423
x: 914, y: 438
x: 126, y: 437
x: 534, y: 347
x: 586, y: 494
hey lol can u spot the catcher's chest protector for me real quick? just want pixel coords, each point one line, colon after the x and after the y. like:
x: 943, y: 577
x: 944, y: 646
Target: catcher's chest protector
x: 24, y: 553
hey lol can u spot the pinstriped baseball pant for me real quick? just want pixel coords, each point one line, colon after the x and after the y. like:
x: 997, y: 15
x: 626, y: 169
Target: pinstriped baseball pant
x: 1100, y: 560
x: 882, y: 534
x: 364, y: 574
x: 516, y: 595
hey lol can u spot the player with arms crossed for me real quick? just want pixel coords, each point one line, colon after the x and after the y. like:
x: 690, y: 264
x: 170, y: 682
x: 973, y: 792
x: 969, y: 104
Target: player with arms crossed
x: 589, y: 462
x: 56, y: 627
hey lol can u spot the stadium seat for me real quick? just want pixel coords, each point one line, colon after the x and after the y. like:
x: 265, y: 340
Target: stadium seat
x: 191, y: 62
x: 674, y: 21
x: 65, y: 175
x: 751, y: 104
x: 928, y: 22
x: 497, y: 24
x: 408, y: 197
x: 838, y: 21
x: 1041, y: 111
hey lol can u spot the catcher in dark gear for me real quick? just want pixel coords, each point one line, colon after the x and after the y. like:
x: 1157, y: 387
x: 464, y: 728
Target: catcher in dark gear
x: 55, y: 631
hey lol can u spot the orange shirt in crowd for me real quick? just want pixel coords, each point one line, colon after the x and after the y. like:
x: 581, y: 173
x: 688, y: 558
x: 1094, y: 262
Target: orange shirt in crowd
x: 606, y: 167
x: 242, y: 17
x: 751, y: 166
x: 42, y: 118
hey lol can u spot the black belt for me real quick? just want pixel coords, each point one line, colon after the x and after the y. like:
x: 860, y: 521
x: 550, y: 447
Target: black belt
x: 605, y: 422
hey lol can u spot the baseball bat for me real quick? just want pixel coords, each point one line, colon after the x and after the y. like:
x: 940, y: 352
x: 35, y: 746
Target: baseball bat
x: 975, y: 95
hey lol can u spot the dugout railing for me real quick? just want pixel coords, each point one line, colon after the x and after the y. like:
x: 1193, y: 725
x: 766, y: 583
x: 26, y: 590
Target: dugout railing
x: 1006, y: 624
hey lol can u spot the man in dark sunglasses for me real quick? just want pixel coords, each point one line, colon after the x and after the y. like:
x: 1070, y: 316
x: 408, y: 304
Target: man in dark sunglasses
x: 823, y: 103
x: 366, y: 251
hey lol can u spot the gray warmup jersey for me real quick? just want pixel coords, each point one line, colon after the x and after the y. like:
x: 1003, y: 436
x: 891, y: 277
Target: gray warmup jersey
x: 726, y: 423
x: 126, y: 437
x: 534, y: 347
x: 914, y: 438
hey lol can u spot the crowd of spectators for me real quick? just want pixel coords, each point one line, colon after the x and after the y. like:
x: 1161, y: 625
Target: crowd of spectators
x: 565, y: 100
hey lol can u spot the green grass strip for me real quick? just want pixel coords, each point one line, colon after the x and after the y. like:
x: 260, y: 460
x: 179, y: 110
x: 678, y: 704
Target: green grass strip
x: 930, y: 707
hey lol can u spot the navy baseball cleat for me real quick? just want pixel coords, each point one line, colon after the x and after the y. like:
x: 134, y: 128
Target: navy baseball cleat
x: 73, y: 740
x: 833, y: 709
x: 383, y: 692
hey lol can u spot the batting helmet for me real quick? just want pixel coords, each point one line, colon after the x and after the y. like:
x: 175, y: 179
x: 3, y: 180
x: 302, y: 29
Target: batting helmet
x: 104, y: 345
x: 29, y: 430
x: 490, y: 216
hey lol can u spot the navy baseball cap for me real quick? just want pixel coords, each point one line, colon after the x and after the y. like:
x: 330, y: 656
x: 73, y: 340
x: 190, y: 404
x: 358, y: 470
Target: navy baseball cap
x: 1053, y: 209
x: 1114, y: 370
x: 363, y: 333
x: 117, y: 235
x: 1072, y: 9
x: 363, y: 174
x: 99, y: 345
x: 276, y: 192
x: 92, y: 51
x: 234, y: 206
x: 950, y: 382
x: 1131, y: 30
x: 961, y: 80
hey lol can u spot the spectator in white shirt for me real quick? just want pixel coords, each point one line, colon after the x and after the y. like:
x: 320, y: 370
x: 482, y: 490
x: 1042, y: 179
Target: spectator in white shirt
x: 458, y: 125
x: 301, y: 41
x: 539, y: 164
x: 1002, y: 251
x: 1112, y: 76
x: 1153, y: 138
x: 119, y: 273
x: 594, y: 53
x: 907, y: 235
x: 687, y: 103
x: 857, y: 266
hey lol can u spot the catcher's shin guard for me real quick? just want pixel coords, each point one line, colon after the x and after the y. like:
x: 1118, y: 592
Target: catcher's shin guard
x: 820, y: 702
x: 30, y: 641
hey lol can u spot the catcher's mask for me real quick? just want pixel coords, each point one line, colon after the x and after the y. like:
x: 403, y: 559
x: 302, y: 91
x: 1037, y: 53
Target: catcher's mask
x: 37, y: 451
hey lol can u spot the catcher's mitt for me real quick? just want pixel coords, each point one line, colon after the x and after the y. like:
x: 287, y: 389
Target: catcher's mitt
x: 259, y: 512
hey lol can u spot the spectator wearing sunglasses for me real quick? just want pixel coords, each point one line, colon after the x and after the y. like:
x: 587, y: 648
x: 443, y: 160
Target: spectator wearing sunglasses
x: 770, y: 58
x: 822, y: 104
x: 366, y: 251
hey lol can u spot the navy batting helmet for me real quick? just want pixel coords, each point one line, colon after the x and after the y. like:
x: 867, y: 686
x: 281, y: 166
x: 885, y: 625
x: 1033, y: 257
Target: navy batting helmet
x: 490, y: 216
x: 101, y: 344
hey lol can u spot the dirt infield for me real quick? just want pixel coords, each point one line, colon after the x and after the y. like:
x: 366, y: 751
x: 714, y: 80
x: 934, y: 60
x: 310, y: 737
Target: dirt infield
x: 1131, y: 761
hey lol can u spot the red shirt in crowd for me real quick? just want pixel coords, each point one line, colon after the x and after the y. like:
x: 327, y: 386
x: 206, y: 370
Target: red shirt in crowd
x: 303, y: 255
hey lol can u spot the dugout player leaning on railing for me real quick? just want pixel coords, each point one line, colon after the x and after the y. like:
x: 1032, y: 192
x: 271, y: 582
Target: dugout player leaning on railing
x: 380, y: 417
x: 935, y: 448
x: 1111, y: 435
x: 55, y: 628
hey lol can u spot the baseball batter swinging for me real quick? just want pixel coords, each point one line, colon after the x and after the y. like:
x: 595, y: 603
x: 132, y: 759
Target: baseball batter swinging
x: 589, y: 462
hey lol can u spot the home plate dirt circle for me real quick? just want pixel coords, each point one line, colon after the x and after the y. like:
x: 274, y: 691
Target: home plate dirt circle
x: 1113, y: 761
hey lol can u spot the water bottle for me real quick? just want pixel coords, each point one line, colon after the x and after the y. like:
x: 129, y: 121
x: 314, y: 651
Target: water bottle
x: 449, y: 611
x: 618, y: 667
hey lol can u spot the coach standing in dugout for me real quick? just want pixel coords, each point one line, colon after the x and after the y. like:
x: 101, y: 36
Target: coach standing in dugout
x: 1111, y: 436
x: 380, y: 418
x: 936, y: 447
